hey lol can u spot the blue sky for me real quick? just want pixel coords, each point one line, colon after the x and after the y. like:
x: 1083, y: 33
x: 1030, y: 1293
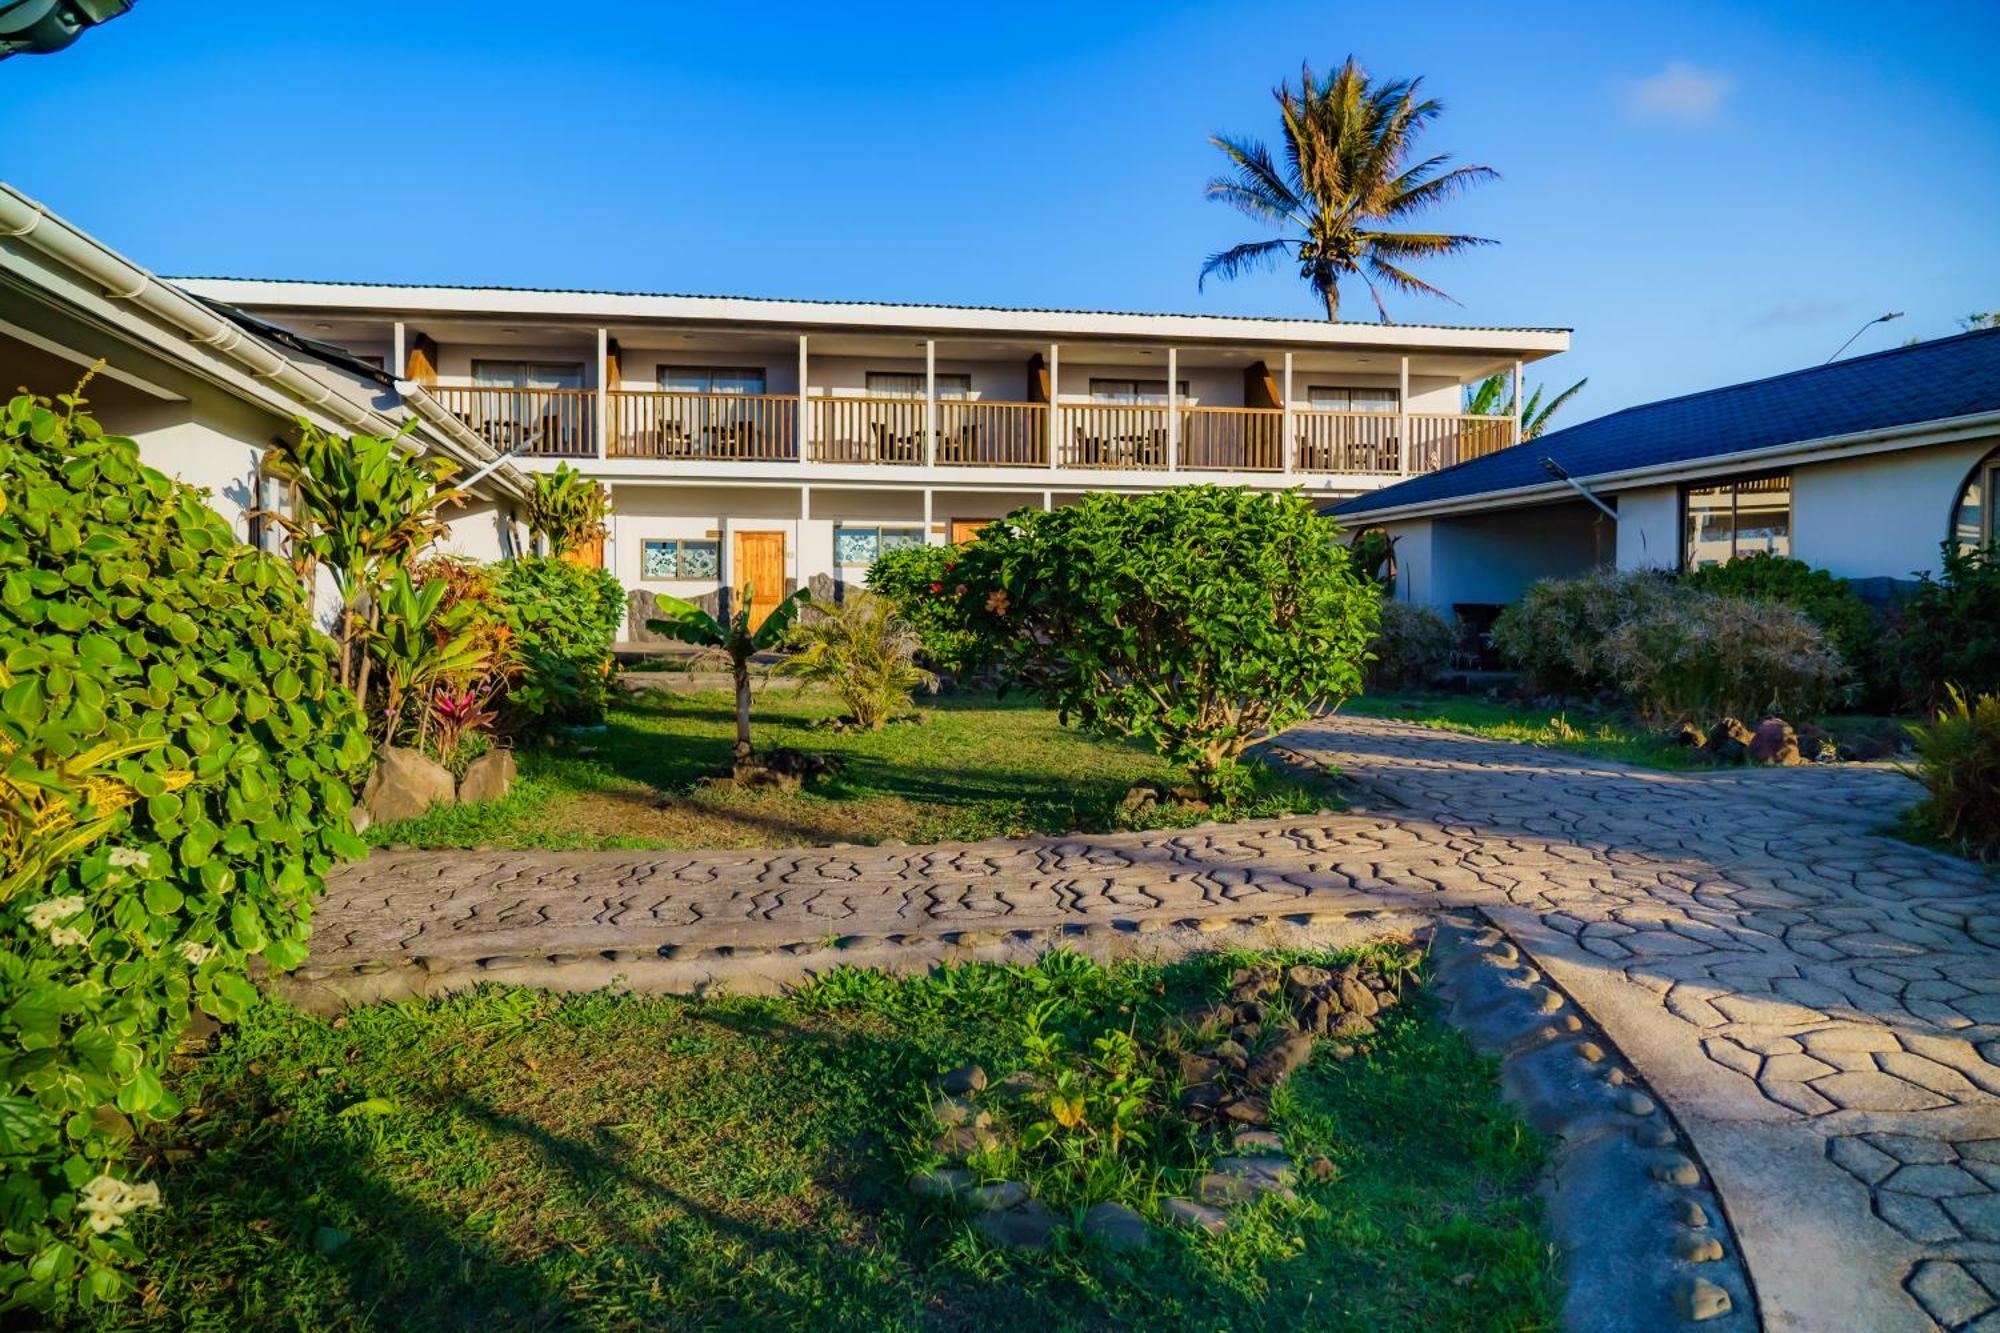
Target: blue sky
x: 1704, y: 192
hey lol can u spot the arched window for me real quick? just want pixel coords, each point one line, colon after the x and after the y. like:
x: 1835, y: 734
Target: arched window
x: 1972, y: 512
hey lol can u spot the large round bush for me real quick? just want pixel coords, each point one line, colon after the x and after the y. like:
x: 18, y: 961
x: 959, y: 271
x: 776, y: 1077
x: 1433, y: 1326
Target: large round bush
x: 1412, y: 646
x: 1556, y: 635
x: 564, y: 617
x: 1200, y: 619
x: 1827, y: 600
x: 178, y: 761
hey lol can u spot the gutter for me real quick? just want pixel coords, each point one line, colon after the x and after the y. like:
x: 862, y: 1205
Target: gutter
x: 123, y: 281
x: 1860, y: 444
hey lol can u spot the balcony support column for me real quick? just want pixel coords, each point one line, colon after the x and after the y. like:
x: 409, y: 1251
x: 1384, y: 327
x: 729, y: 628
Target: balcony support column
x: 601, y: 405
x: 1173, y: 409
x: 930, y: 537
x: 1403, y: 414
x: 930, y: 404
x: 399, y: 356
x: 799, y: 538
x: 802, y: 428
x: 1055, y: 399
x: 1286, y: 460
x: 1517, y: 404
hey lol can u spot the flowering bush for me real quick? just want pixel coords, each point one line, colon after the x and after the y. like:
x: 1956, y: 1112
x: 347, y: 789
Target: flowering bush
x: 912, y: 578
x: 1951, y: 629
x: 1700, y: 656
x: 1556, y: 635
x: 1412, y: 646
x: 176, y: 760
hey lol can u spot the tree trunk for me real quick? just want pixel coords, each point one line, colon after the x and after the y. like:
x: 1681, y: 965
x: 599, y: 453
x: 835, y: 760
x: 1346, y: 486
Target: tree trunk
x: 1332, y: 295
x: 742, y: 666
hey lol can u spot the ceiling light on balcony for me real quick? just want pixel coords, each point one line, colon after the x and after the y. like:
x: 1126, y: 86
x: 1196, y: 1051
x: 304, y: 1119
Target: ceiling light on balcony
x: 509, y: 333
x: 323, y: 328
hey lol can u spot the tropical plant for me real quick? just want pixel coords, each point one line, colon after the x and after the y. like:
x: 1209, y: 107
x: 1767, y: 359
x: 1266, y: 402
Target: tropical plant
x: 1698, y: 656
x: 911, y: 577
x: 364, y: 506
x: 1951, y: 629
x: 423, y: 643
x: 1412, y: 646
x: 1201, y: 619
x: 740, y: 637
x: 563, y: 619
x: 178, y: 759
x: 864, y: 652
x: 1958, y: 762
x: 1492, y: 397
x: 458, y: 713
x: 1556, y: 635
x: 1373, y: 552
x: 1347, y: 175
x: 567, y: 508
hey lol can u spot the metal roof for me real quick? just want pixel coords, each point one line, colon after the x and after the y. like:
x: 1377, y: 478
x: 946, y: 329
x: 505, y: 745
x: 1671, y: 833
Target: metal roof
x: 1958, y: 376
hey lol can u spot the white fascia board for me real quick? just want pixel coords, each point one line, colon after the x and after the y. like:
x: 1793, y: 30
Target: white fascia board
x: 585, y: 307
x: 1891, y: 439
x: 896, y: 477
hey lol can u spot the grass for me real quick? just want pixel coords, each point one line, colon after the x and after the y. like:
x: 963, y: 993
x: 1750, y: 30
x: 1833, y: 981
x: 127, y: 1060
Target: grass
x: 511, y: 1160
x: 1596, y: 732
x: 976, y: 768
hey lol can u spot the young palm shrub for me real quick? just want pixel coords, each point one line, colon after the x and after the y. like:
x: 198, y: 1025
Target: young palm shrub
x: 735, y: 637
x: 864, y: 652
x: 1958, y: 761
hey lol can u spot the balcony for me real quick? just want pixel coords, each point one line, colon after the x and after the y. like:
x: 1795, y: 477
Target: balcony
x: 971, y: 433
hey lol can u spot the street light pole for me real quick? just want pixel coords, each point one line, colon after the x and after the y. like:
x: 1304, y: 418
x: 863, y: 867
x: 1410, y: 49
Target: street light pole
x: 1879, y: 319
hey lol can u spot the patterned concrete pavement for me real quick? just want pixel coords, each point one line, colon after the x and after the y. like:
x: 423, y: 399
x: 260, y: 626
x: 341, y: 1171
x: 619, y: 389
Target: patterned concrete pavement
x: 1819, y: 1005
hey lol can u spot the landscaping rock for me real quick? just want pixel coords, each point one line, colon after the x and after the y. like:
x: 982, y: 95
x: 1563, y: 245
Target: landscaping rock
x: 952, y: 1111
x: 1698, y: 1299
x: 1275, y: 1065
x: 1254, y: 1111
x: 992, y: 1198
x: 1199, y: 1069
x: 946, y: 1182
x: 1117, y: 1226
x: 1252, y: 1141
x: 961, y: 1081
x: 961, y: 1140
x: 405, y: 783
x: 488, y: 778
x: 1027, y: 1226
x: 1774, y: 742
x: 782, y: 769
x: 1321, y: 1168
x: 1018, y: 1085
x: 1355, y: 997
x: 1232, y: 1054
x: 1195, y: 1216
x: 1684, y: 734
x: 1317, y: 1014
x: 357, y: 818
x: 1728, y: 741
x: 1302, y: 980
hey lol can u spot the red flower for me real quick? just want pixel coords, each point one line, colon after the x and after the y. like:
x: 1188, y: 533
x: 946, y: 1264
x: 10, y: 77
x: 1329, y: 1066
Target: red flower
x: 961, y: 590
x: 937, y: 587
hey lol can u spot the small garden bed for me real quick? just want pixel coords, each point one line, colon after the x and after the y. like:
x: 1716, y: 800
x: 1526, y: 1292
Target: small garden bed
x: 512, y: 1160
x: 972, y: 767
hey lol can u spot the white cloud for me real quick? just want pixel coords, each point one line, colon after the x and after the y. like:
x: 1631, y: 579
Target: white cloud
x: 1681, y: 92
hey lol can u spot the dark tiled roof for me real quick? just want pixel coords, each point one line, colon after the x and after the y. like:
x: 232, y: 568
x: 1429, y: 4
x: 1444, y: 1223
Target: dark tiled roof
x: 1931, y: 381
x: 878, y: 305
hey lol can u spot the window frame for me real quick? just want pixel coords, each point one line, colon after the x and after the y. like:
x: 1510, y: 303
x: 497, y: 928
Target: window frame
x: 708, y: 376
x: 960, y: 390
x: 1985, y: 474
x: 529, y: 369
x: 914, y: 530
x: 1349, y: 390
x: 1734, y: 484
x: 680, y: 544
x: 1138, y: 396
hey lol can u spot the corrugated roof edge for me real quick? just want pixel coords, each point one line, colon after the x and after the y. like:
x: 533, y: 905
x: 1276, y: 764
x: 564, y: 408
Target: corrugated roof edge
x: 880, y: 305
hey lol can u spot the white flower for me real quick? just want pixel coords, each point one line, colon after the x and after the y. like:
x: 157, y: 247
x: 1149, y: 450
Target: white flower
x: 102, y: 1191
x: 106, y: 1200
x: 67, y: 937
x: 142, y: 1196
x: 101, y: 1222
x: 43, y: 915
x: 129, y: 857
x: 196, y: 952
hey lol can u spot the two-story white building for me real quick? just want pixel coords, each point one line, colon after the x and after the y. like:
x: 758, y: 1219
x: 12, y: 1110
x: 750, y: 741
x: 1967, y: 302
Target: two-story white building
x: 766, y: 442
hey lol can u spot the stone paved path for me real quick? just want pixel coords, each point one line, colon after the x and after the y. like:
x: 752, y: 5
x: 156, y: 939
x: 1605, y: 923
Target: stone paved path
x: 1820, y: 1005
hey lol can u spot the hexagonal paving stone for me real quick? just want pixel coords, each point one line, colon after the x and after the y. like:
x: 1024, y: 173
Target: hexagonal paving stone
x: 1933, y: 1180
x: 1857, y: 1090
x: 1977, y: 1216
x: 1948, y: 1293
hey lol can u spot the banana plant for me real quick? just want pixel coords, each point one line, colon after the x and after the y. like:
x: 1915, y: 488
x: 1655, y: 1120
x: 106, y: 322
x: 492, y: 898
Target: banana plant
x: 421, y: 642
x: 689, y: 624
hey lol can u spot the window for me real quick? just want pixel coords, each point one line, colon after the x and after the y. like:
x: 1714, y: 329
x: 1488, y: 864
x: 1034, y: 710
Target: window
x: 910, y: 384
x: 1972, y: 526
x: 712, y: 379
x: 860, y: 546
x: 680, y: 559
x: 1745, y: 516
x: 1150, y: 392
x: 274, y: 498
x: 527, y: 374
x: 1332, y: 398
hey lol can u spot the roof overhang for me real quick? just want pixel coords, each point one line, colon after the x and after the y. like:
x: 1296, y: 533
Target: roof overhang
x: 1888, y: 439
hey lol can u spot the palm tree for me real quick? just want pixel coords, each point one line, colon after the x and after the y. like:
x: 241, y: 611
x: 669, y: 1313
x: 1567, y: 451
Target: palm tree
x: 1346, y: 172
x: 738, y: 637
x: 1485, y: 400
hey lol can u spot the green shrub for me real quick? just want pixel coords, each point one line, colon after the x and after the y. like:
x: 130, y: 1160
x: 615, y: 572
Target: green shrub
x: 1412, y: 646
x: 1828, y: 601
x: 564, y: 619
x: 1201, y: 619
x: 568, y: 508
x: 1958, y: 761
x: 1951, y: 629
x: 1699, y: 656
x: 863, y: 651
x: 912, y: 577
x: 176, y: 759
x: 1555, y: 636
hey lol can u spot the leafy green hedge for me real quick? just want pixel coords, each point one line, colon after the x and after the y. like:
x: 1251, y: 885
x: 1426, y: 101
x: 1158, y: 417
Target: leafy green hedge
x: 165, y: 692
x: 1951, y: 629
x: 564, y: 618
x: 911, y: 577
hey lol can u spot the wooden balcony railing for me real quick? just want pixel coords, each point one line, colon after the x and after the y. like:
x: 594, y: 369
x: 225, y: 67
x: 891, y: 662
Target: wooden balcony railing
x: 1231, y: 439
x: 1329, y: 441
x: 545, y: 423
x: 868, y: 430
x: 989, y: 434
x: 1440, y: 440
x: 1118, y: 436
x: 725, y: 427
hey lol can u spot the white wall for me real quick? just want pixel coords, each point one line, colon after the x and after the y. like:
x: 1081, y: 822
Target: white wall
x: 1493, y: 557
x: 484, y: 531
x: 1882, y: 515
x: 1649, y: 527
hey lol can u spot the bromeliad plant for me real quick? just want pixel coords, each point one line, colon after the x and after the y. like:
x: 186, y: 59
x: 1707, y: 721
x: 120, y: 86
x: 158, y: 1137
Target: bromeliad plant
x: 423, y: 642
x: 568, y: 508
x: 179, y: 758
x: 739, y: 638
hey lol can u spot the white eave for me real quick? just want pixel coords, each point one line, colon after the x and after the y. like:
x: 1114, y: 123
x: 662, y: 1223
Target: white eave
x: 155, y: 314
x: 972, y: 321
x: 1887, y: 439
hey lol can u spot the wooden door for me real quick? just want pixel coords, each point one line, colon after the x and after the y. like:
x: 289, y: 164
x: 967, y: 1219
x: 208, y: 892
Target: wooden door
x: 964, y: 530
x: 759, y: 565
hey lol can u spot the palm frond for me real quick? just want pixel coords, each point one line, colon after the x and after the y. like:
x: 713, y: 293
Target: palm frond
x: 1240, y: 259
x: 1404, y: 280
x: 1258, y: 188
x: 1428, y: 194
x: 1420, y: 244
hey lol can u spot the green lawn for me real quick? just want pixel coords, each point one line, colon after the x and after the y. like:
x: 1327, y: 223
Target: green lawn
x: 976, y: 767
x: 1599, y: 733
x: 512, y: 1160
